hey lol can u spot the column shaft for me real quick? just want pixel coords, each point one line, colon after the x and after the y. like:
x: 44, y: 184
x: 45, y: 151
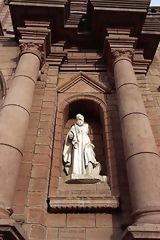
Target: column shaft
x: 14, y: 118
x: 141, y: 153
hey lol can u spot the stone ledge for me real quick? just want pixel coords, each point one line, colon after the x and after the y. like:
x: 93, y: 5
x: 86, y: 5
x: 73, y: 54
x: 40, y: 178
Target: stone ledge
x: 82, y: 204
x: 142, y: 231
x: 10, y: 230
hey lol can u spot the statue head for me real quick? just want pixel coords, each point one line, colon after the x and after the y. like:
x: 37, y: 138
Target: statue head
x: 80, y: 119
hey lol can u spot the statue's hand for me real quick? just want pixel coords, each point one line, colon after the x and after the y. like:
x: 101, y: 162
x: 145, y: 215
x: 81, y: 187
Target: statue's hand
x: 92, y: 145
x: 70, y: 135
x: 76, y: 145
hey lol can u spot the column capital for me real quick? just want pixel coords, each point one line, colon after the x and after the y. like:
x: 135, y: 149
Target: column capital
x: 120, y: 54
x: 33, y: 48
x: 119, y: 45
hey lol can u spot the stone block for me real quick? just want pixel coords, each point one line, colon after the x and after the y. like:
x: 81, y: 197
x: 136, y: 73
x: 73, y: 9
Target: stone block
x: 39, y: 171
x: 52, y: 234
x: 56, y: 220
x: 36, y: 199
x: 71, y: 233
x: 103, y: 233
x: 81, y: 220
x: 36, y: 215
x: 38, y: 232
x: 41, y: 149
x: 38, y: 185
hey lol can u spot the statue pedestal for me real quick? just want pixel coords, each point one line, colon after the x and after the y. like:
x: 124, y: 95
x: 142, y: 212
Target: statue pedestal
x: 88, y: 179
x: 142, y: 231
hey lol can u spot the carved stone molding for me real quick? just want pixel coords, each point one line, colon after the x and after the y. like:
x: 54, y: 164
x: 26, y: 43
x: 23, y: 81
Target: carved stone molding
x: 34, y: 48
x: 122, y: 54
x: 73, y: 205
x: 142, y: 231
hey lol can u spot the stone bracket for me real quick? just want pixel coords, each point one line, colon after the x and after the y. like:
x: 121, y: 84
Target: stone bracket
x: 83, y: 205
x: 142, y: 231
x: 10, y: 230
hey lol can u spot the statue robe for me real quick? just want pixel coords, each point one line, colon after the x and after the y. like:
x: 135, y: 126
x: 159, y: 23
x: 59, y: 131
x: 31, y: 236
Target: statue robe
x: 78, y: 150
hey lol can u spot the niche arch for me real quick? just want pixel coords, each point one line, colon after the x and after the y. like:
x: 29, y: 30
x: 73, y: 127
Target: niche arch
x: 72, y: 197
x: 94, y: 115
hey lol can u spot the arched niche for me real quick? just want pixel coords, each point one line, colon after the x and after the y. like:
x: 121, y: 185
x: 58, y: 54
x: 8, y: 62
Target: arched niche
x: 64, y: 197
x: 94, y: 116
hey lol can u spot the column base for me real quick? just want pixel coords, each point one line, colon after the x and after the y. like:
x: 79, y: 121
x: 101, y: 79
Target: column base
x: 142, y: 231
x: 11, y: 230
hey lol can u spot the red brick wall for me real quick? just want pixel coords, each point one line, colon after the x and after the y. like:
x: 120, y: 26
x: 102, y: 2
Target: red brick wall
x: 151, y: 93
x: 30, y: 206
x: 30, y: 203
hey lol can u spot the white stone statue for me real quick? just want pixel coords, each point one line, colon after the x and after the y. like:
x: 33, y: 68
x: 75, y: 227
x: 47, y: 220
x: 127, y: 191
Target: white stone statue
x: 78, y: 153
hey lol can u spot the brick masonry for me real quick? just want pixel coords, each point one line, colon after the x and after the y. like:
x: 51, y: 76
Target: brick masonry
x: 30, y: 202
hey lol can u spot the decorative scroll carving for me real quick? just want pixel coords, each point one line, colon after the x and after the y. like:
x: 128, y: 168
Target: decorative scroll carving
x: 122, y: 53
x: 34, y: 48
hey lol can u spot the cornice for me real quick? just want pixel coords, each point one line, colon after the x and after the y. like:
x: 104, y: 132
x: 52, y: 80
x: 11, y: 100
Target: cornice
x: 121, y: 5
x: 150, y: 34
x: 35, y: 39
x: 120, y: 38
x: 83, y: 205
x: 152, y: 24
x: 40, y: 3
x: 141, y: 66
x: 119, y: 45
x: 86, y: 26
x: 35, y: 31
x: 56, y: 58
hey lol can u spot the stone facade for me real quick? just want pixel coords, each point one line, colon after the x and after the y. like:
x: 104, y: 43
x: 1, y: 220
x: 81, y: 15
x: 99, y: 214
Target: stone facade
x: 113, y: 78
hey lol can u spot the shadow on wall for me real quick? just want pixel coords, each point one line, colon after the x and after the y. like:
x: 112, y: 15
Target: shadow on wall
x: 3, y: 90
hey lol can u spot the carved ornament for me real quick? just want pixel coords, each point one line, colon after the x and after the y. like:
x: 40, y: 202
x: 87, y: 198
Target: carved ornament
x: 83, y: 204
x: 122, y: 53
x: 82, y: 77
x: 34, y: 48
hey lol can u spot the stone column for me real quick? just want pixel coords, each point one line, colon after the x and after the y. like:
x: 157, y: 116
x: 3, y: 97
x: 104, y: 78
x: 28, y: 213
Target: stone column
x: 14, y: 118
x: 141, y: 153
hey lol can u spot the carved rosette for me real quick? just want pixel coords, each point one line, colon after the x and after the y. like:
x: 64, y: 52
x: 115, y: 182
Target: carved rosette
x: 34, y: 48
x: 118, y: 54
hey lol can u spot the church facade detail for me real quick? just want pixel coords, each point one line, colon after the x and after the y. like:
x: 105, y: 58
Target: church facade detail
x: 79, y: 120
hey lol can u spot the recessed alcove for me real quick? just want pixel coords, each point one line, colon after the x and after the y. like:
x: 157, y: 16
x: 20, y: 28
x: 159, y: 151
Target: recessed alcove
x: 82, y: 197
x: 93, y: 116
